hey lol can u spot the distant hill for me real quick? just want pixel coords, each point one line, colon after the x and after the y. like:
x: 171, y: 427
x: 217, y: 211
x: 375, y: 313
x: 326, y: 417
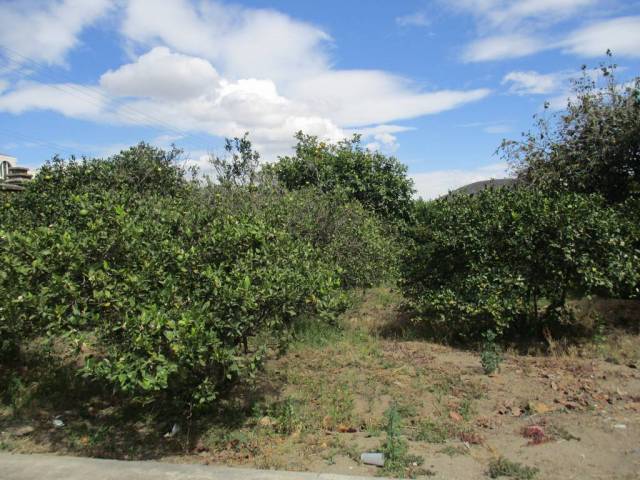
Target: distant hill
x: 475, y: 187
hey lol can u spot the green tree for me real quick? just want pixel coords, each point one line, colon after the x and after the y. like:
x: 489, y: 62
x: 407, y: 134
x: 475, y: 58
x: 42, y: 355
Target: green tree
x: 591, y: 147
x: 377, y: 181
x: 239, y: 167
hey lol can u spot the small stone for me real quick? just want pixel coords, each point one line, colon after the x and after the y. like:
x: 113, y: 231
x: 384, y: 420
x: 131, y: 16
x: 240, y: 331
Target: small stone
x: 620, y: 426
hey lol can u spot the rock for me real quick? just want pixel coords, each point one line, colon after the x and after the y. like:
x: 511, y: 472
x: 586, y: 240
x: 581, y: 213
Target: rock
x: 23, y: 431
x: 201, y: 447
x: 571, y: 405
x: 535, y: 433
x: 471, y: 438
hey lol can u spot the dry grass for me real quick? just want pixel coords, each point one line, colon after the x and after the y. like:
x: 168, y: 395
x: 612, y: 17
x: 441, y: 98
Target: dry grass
x: 322, y: 403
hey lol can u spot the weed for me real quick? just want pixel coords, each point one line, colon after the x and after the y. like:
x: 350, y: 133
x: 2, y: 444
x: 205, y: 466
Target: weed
x: 491, y: 354
x: 433, y: 432
x: 563, y: 433
x: 397, y: 461
x: 466, y: 408
x: 372, y: 427
x: 341, y: 405
x: 286, y: 417
x: 312, y: 333
x: 501, y: 467
x: 407, y: 409
x: 452, y: 451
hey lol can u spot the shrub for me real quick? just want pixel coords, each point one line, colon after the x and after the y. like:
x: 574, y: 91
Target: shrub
x: 492, y: 260
x: 159, y: 289
x: 362, y: 247
x: 501, y: 467
x: 342, y: 231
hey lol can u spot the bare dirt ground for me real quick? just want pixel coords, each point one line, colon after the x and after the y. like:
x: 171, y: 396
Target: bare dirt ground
x: 571, y: 413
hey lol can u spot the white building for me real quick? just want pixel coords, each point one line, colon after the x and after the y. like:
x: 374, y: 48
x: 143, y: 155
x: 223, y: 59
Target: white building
x: 6, y: 162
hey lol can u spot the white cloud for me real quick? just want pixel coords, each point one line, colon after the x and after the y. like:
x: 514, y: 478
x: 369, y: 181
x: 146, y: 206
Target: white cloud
x: 511, y: 29
x: 217, y: 69
x: 531, y: 82
x: 430, y: 185
x: 161, y: 74
x: 417, y: 19
x: 264, y: 44
x: 497, y: 129
x: 509, y: 14
x: 365, y: 97
x: 383, y: 136
x: 621, y: 35
x: 242, y: 42
x: 71, y: 100
x: 45, y: 31
x: 501, y: 47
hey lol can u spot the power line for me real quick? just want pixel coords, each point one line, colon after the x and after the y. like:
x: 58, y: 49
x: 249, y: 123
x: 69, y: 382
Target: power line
x: 43, y: 143
x: 98, y: 99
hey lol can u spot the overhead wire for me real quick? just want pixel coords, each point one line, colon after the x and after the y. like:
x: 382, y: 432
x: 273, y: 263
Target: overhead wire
x: 97, y: 99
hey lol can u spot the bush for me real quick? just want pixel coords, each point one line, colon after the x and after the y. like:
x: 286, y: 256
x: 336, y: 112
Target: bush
x: 494, y: 259
x: 361, y: 246
x: 342, y: 231
x: 158, y: 288
x: 378, y: 182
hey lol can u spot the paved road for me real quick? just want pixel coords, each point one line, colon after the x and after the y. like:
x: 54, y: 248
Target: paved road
x: 50, y: 467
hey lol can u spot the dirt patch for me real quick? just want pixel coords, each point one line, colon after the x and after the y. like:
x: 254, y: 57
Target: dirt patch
x: 323, y: 403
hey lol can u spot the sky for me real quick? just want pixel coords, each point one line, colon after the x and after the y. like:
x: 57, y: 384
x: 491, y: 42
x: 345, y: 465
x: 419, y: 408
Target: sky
x: 437, y: 84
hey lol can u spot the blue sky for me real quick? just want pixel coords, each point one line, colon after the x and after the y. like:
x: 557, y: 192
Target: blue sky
x: 436, y: 83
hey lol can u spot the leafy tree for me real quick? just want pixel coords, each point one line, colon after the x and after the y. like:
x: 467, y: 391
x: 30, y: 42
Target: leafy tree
x: 240, y: 165
x: 508, y: 260
x: 378, y: 182
x: 592, y: 147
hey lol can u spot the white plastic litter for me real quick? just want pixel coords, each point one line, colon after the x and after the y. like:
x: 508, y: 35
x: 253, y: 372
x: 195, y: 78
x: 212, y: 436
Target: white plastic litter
x: 373, y: 458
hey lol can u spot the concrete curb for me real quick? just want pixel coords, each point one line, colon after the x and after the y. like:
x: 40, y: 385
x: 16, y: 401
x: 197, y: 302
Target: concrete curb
x: 51, y: 467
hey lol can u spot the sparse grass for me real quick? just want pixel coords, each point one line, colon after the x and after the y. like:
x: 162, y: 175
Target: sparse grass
x: 501, y: 467
x: 454, y: 451
x: 332, y: 376
x: 434, y: 431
